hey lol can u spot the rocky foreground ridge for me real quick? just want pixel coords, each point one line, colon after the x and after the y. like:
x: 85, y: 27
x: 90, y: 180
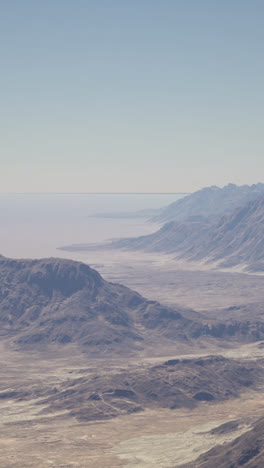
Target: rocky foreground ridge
x: 61, y: 301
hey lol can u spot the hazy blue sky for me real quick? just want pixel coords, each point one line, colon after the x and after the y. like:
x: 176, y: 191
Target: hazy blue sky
x: 130, y: 95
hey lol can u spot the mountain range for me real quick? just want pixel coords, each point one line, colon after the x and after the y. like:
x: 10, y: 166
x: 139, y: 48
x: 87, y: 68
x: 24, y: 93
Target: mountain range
x: 209, y: 202
x: 236, y: 238
x: 58, y: 305
x: 201, y: 232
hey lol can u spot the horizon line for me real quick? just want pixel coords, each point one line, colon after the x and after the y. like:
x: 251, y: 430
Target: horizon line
x: 94, y: 193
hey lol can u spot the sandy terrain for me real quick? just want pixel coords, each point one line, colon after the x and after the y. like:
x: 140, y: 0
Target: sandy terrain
x: 160, y: 277
x: 153, y: 438
x: 54, y: 441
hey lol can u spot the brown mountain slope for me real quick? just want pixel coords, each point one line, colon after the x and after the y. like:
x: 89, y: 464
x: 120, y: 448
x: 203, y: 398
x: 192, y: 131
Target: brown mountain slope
x: 62, y: 301
x: 246, y: 451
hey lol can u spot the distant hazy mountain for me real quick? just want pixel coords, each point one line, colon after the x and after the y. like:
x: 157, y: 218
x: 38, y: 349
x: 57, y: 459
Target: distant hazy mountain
x: 238, y: 238
x: 234, y: 239
x: 62, y: 301
x: 209, y: 202
x: 172, y: 237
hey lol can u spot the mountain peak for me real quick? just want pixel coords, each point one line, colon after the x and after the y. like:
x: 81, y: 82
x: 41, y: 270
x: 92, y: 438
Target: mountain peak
x: 209, y: 202
x: 51, y: 274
